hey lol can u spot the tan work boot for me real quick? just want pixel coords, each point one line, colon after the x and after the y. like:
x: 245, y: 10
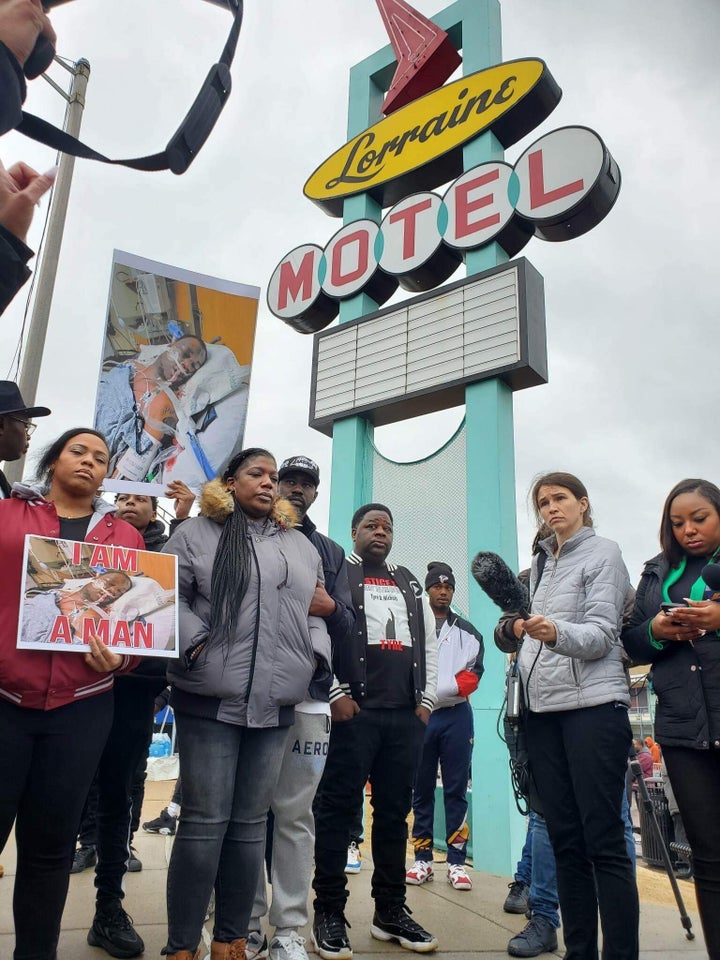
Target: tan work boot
x: 227, y: 951
x: 184, y: 955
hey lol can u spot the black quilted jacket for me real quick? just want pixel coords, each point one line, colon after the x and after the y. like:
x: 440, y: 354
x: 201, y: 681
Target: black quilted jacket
x: 685, y: 677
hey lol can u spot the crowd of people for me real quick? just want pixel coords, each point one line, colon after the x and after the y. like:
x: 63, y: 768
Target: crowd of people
x: 304, y: 673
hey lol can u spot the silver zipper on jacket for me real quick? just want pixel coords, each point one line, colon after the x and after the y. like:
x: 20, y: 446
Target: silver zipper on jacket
x: 573, y: 665
x: 545, y: 596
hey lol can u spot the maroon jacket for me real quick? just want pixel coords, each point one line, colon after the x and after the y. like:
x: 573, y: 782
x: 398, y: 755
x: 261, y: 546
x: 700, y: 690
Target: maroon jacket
x: 33, y: 678
x: 646, y: 762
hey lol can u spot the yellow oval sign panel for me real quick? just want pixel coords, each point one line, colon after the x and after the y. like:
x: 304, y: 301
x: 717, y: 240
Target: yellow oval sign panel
x: 419, y: 146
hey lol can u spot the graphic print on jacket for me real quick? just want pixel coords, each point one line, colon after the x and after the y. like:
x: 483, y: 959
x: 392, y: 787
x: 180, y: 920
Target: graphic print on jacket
x: 389, y: 643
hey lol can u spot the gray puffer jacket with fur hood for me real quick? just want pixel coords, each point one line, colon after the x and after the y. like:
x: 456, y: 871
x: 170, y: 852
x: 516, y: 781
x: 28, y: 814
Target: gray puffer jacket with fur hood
x: 583, y: 593
x: 277, y: 647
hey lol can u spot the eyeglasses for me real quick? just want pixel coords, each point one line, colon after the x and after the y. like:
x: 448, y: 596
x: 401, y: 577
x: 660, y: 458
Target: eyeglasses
x: 29, y: 427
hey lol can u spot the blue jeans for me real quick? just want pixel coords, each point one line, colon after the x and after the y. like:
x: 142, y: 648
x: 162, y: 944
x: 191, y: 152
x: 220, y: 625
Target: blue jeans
x: 629, y: 837
x: 229, y: 774
x: 543, y: 885
x: 523, y: 871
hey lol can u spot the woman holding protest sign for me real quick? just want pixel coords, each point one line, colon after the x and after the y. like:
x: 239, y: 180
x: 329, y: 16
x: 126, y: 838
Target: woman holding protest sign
x: 55, y: 708
x: 249, y: 650
x: 675, y: 626
x: 578, y: 732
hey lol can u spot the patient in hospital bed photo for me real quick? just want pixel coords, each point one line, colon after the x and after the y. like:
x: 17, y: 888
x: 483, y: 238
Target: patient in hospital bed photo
x: 69, y: 594
x: 175, y: 374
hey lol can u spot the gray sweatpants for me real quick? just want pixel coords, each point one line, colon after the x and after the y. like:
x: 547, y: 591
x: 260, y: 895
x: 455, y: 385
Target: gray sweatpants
x: 294, y: 832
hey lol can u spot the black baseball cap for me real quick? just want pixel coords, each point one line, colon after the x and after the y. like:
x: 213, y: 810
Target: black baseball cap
x: 300, y: 465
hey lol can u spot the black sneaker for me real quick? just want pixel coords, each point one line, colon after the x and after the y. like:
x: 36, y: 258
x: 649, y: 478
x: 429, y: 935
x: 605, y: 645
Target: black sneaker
x: 164, y: 824
x: 395, y: 923
x: 112, y: 930
x: 84, y: 858
x: 134, y: 863
x: 330, y: 936
x: 517, y: 900
x: 538, y: 937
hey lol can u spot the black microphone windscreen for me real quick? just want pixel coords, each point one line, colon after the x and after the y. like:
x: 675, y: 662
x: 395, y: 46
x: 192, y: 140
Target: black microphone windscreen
x: 498, y: 581
x: 711, y: 576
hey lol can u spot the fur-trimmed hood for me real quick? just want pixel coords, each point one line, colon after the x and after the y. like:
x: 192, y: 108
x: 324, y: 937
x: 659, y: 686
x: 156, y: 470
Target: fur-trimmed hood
x: 216, y: 503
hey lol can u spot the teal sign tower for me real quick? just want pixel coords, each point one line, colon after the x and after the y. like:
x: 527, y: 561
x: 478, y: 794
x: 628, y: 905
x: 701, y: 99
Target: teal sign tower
x: 471, y: 342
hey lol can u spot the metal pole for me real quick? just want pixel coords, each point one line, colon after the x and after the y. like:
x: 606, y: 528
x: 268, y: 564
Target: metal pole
x: 651, y: 816
x: 37, y: 332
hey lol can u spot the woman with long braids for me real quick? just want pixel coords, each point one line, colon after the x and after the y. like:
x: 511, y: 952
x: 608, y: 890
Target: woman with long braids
x: 248, y: 652
x: 55, y: 708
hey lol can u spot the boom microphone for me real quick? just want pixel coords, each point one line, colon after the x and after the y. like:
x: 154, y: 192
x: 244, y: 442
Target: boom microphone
x: 498, y: 581
x: 711, y: 575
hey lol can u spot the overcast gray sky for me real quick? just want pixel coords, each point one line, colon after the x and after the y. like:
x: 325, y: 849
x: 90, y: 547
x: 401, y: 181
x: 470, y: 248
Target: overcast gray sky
x: 632, y: 313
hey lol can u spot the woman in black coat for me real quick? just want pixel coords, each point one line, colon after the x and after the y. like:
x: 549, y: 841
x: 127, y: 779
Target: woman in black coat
x: 683, y: 646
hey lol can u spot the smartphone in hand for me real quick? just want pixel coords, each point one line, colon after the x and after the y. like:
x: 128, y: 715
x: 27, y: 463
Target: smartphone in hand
x: 669, y: 607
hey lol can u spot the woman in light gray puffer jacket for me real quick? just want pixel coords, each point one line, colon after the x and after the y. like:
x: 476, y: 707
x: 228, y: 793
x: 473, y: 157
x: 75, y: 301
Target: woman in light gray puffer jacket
x: 248, y: 652
x: 578, y: 732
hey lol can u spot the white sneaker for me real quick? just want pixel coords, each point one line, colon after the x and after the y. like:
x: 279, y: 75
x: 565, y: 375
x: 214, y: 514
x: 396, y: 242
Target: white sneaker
x: 457, y: 877
x: 256, y: 945
x: 421, y: 872
x: 354, y: 859
x: 291, y: 947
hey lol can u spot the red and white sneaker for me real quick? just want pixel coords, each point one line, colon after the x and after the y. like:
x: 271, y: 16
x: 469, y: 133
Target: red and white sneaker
x: 457, y: 877
x: 420, y: 872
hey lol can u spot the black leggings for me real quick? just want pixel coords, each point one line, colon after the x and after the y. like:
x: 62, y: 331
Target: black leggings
x: 47, y: 761
x: 695, y: 779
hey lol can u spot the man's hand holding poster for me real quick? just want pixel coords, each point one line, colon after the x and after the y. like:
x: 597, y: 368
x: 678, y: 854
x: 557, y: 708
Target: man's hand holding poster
x: 73, y: 591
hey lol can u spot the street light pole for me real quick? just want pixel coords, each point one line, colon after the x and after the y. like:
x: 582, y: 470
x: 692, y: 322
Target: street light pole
x: 45, y: 285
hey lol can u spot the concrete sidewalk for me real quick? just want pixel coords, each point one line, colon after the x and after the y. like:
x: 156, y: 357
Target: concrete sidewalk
x: 467, y: 923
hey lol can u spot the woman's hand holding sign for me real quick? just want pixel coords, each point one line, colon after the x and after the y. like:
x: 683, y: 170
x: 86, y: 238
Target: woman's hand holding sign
x: 101, y: 658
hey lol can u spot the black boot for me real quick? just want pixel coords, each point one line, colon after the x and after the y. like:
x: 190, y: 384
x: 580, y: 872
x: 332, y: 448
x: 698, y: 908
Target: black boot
x: 112, y: 930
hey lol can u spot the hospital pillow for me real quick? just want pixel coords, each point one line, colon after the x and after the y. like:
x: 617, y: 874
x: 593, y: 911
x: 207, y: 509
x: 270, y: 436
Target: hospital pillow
x: 218, y: 377
x: 144, y: 596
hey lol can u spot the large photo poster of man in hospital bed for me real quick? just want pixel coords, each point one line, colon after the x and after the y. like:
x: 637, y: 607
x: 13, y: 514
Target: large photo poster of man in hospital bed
x: 175, y: 375
x: 71, y: 591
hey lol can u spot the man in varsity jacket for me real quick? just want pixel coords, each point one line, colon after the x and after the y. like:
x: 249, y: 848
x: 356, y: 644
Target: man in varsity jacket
x: 386, y: 680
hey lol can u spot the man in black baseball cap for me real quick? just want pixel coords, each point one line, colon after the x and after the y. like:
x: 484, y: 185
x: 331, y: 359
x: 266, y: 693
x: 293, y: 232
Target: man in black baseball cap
x: 300, y: 464
x: 291, y: 830
x: 16, y: 427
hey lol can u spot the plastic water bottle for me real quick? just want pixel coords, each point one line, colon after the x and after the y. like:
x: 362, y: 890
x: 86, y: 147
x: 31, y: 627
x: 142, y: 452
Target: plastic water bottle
x: 160, y: 746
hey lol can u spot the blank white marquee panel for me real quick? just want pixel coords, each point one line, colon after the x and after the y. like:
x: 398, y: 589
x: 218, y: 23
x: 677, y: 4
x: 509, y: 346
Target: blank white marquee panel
x: 468, y: 332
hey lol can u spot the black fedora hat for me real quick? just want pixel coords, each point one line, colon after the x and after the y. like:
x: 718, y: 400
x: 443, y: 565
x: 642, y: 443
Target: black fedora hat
x: 11, y: 401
